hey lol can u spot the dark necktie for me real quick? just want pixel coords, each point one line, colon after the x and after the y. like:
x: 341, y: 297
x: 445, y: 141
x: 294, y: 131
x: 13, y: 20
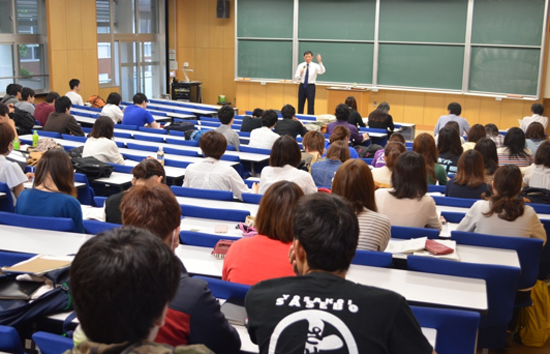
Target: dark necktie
x: 307, y: 76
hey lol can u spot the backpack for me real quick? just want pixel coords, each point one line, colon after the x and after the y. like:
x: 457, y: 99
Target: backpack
x: 24, y: 121
x: 536, y: 195
x: 96, y: 101
x: 196, y: 135
x: 92, y: 167
x: 367, y: 151
x: 180, y: 126
x: 534, y: 321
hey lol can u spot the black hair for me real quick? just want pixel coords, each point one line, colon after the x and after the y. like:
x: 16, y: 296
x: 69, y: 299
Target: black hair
x: 26, y: 92
x: 409, y: 177
x: 258, y: 112
x: 4, y: 110
x: 328, y: 230
x: 52, y: 96
x: 342, y: 112
x: 269, y: 118
x: 13, y: 89
x: 515, y: 142
x: 288, y: 111
x: 121, y: 280
x: 491, y: 129
x: 449, y: 140
x: 139, y: 98
x: 62, y: 104
x: 454, y: 108
x: 308, y: 52
x: 488, y: 150
x: 226, y: 114
x: 114, y: 98
x: 103, y: 128
x: 74, y: 83
x: 537, y: 108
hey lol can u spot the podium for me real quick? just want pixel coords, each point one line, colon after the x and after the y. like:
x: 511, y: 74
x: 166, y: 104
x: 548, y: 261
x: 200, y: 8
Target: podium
x: 187, y: 91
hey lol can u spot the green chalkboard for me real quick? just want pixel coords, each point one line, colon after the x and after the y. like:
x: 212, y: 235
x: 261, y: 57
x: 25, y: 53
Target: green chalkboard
x: 344, y: 62
x: 508, y: 22
x: 265, y: 18
x: 423, y: 21
x: 336, y: 19
x: 504, y: 70
x: 421, y: 66
x: 265, y: 59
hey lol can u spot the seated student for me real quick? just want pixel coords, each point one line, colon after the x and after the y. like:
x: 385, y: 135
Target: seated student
x: 10, y: 172
x: 454, y: 115
x: 492, y: 133
x: 265, y: 256
x: 342, y: 115
x: 126, y: 314
x: 407, y: 203
x: 53, y: 192
x: 5, y: 118
x: 378, y: 159
x: 226, y: 116
x: 73, y: 94
x: 100, y: 144
x: 136, y: 114
x: 536, y: 116
x: 319, y: 310
x: 456, y: 127
x: 476, y: 133
x: 382, y: 175
x: 424, y: 144
x: 148, y: 171
x: 210, y: 173
x: 449, y: 149
x: 13, y: 94
x: 469, y: 181
x: 381, y: 119
x: 193, y: 315
x: 354, y: 116
x: 27, y: 100
x: 341, y: 133
x: 314, y: 147
x: 514, y: 151
x: 323, y: 171
x: 61, y: 121
x: 538, y: 174
x: 504, y: 214
x: 112, y: 109
x: 251, y: 123
x: 290, y: 125
x: 43, y: 109
x: 285, y: 157
x: 534, y: 136
x: 488, y: 151
x: 264, y: 137
x: 354, y: 182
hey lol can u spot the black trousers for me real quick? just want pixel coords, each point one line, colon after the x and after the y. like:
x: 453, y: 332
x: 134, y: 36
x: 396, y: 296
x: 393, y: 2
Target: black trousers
x: 309, y: 94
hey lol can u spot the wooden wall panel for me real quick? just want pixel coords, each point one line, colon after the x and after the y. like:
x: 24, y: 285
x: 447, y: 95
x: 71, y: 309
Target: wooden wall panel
x: 57, y: 28
x: 73, y: 12
x: 413, y: 107
x: 59, y: 78
x: 105, y: 92
x: 258, y: 96
x: 489, y: 111
x: 396, y: 100
x: 89, y: 26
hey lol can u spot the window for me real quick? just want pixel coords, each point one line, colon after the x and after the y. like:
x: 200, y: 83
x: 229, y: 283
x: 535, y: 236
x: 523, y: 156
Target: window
x: 23, y: 44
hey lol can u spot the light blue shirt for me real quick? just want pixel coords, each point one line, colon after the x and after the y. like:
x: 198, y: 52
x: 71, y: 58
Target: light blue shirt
x: 463, y: 124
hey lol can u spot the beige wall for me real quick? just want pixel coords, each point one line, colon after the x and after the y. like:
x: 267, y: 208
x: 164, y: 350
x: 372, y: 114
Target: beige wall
x: 72, y: 45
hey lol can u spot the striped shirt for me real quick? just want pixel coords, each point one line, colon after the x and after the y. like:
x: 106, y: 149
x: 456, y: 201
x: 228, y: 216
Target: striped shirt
x: 374, y: 231
x: 504, y: 158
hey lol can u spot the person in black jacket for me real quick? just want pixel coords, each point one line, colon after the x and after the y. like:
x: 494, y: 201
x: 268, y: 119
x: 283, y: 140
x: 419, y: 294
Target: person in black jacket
x: 354, y: 116
x: 290, y: 125
x: 251, y: 123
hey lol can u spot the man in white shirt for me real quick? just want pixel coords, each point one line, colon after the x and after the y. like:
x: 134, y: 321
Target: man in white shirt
x: 307, y: 74
x: 73, y: 95
x: 536, y: 110
x: 264, y: 137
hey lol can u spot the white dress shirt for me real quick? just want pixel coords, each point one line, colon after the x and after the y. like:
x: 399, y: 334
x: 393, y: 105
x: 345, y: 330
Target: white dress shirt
x: 534, y: 118
x: 112, y: 111
x: 210, y: 174
x: 290, y: 173
x: 314, y: 70
x: 262, y: 138
x: 75, y: 98
x: 103, y: 149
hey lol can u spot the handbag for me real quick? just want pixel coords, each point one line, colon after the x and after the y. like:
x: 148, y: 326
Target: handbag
x: 92, y: 167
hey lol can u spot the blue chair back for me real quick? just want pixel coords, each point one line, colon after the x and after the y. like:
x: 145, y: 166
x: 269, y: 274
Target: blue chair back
x: 182, y: 152
x: 37, y: 222
x: 245, y: 134
x: 368, y: 160
x: 452, y: 216
x: 436, y: 188
x: 7, y: 259
x: 544, y: 268
x: 413, y: 232
x: 213, y: 213
x: 373, y: 259
x: 252, y: 198
x: 153, y: 130
x: 120, y: 144
x: 6, y: 203
x: 121, y: 168
x: 529, y: 251
x: 86, y: 194
x: 455, y: 202
x: 47, y: 134
x: 181, y: 142
x: 202, y: 193
x: 122, y: 135
x: 501, y: 283
x: 222, y: 289
x: 540, y: 208
x: 93, y: 227
x: 126, y: 126
x: 50, y: 343
x: 201, y: 239
x: 456, y: 329
x: 86, y: 129
x: 235, y: 158
x: 176, y: 163
x: 142, y: 147
x: 10, y: 341
x: 154, y: 139
x: 99, y: 202
x: 133, y: 157
x: 245, y: 148
x: 80, y: 139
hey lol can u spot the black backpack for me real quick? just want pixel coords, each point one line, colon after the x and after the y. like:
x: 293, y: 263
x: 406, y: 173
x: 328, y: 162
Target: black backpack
x: 367, y: 151
x: 24, y: 121
x: 180, y: 126
x: 92, y: 167
x: 536, y: 195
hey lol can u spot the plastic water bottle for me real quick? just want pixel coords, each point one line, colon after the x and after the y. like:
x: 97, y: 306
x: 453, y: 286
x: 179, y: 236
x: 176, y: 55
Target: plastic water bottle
x: 35, y: 138
x: 160, y: 155
x: 78, y: 336
x: 15, y: 144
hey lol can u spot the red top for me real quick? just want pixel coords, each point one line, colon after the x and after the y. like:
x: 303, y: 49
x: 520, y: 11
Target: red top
x: 42, y: 111
x: 251, y: 260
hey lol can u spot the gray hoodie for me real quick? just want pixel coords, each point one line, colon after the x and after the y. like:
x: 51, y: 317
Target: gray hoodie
x: 9, y: 99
